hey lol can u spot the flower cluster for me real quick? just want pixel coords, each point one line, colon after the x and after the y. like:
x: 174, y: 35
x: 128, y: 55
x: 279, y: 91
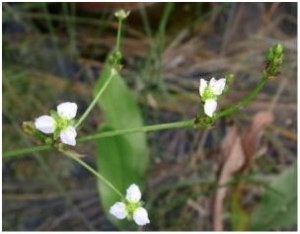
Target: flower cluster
x: 60, y: 123
x: 274, y: 58
x: 131, y: 208
x: 209, y: 92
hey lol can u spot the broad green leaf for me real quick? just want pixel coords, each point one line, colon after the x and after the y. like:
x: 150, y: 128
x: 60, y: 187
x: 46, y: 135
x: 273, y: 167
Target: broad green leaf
x: 277, y: 210
x: 120, y: 159
x: 113, y: 162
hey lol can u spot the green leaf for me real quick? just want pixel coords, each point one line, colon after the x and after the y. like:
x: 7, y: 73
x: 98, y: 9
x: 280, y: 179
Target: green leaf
x: 121, y: 159
x: 277, y: 210
x: 114, y: 157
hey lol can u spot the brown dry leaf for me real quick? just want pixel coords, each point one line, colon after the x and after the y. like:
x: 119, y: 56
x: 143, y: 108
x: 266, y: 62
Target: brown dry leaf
x: 233, y: 153
x: 252, y: 135
x: 237, y: 153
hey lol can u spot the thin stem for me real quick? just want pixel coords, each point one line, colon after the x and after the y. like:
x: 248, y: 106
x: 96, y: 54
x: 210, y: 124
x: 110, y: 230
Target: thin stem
x: 93, y: 103
x: 119, y: 35
x: 75, y: 157
x: 157, y: 127
x: 188, y: 123
x: 244, y: 101
x: 24, y: 151
x: 134, y: 130
x: 112, y: 73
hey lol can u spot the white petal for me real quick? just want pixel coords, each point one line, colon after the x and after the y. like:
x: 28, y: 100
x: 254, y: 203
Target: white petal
x: 133, y: 193
x: 218, y: 85
x: 202, y: 87
x: 68, y: 136
x: 67, y: 110
x: 118, y: 210
x: 45, y: 124
x: 210, y: 106
x: 140, y: 216
x: 212, y: 81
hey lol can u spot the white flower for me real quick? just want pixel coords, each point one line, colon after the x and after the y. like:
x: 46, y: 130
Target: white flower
x: 210, y: 107
x: 209, y: 92
x: 119, y: 210
x: 132, y: 207
x: 61, y: 122
x: 68, y: 136
x: 133, y: 193
x: 45, y: 124
x: 67, y: 110
x: 140, y: 216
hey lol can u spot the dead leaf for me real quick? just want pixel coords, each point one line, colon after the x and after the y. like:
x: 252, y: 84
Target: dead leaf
x: 237, y: 152
x: 233, y: 152
x: 252, y: 135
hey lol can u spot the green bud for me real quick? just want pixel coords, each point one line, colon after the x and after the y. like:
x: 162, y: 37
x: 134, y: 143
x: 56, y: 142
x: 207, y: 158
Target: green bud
x: 28, y: 127
x: 118, y: 55
x: 274, y: 60
x: 229, y: 78
x: 48, y: 141
x: 115, y: 58
x: 270, y: 55
x: 121, y: 14
x: 278, y: 49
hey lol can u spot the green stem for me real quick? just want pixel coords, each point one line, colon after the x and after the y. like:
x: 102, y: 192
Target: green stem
x: 151, y: 128
x: 76, y: 158
x: 30, y: 150
x: 112, y: 73
x: 118, y: 43
x: 93, y: 103
x: 188, y: 123
x: 244, y: 101
x: 14, y: 153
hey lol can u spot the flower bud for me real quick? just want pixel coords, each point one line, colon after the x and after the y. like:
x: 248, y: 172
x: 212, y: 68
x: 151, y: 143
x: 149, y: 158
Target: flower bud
x: 48, y: 141
x: 121, y: 14
x: 28, y: 127
x: 278, y: 49
x: 229, y: 78
x: 269, y: 55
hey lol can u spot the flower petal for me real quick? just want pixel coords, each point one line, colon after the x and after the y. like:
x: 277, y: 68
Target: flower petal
x: 210, y: 107
x: 133, y: 193
x: 202, y: 87
x: 68, y: 136
x: 218, y: 85
x: 67, y: 110
x: 118, y: 210
x: 212, y: 81
x: 140, y: 216
x: 45, y: 124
